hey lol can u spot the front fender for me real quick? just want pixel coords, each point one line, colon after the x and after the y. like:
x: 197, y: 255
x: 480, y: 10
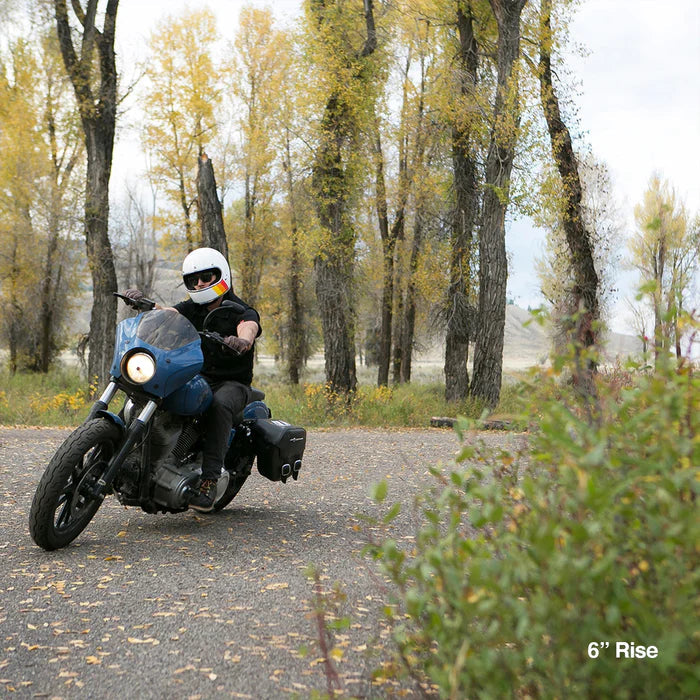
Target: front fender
x: 112, y: 418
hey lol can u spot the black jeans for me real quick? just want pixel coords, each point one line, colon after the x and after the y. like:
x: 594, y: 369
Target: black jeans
x: 230, y: 398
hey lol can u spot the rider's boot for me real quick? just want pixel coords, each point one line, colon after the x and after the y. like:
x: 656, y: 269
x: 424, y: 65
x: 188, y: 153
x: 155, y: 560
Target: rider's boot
x: 203, y: 501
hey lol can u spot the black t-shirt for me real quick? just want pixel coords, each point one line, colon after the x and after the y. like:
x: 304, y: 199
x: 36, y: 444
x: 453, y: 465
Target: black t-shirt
x: 219, y: 363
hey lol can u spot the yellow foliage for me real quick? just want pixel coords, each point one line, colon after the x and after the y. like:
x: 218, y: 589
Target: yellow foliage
x: 180, y: 106
x: 71, y: 404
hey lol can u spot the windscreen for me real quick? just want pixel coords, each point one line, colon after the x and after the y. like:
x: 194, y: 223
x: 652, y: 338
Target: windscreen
x: 166, y: 330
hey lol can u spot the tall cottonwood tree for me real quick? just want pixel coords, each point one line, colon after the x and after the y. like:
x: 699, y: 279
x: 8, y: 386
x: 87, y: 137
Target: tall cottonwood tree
x: 65, y: 152
x: 20, y: 166
x: 388, y: 235
x: 665, y: 250
x: 420, y: 191
x: 298, y: 304
x: 555, y: 268
x: 493, y: 263
x: 346, y: 74
x: 257, y: 71
x: 392, y: 227
x: 180, y: 105
x: 424, y: 191
x: 460, y: 312
x: 41, y: 146
x: 584, y: 291
x: 93, y: 75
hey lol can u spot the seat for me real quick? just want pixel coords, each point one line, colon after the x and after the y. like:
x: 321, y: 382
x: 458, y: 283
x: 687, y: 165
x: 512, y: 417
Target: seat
x: 256, y: 394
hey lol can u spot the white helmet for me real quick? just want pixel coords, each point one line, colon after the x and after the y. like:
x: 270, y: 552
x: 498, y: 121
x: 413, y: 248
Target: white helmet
x: 211, y: 266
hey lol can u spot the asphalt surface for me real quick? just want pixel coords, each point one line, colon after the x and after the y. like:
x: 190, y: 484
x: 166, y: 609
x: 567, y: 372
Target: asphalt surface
x: 196, y: 606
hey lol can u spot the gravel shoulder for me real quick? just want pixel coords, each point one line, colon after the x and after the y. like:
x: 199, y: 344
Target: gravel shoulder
x: 200, y: 606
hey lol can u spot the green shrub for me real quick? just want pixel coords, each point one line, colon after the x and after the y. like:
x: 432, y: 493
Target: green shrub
x: 60, y: 397
x: 523, y: 561
x: 406, y: 405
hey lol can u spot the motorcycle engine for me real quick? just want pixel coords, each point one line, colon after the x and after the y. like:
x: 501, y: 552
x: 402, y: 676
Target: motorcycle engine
x: 173, y: 483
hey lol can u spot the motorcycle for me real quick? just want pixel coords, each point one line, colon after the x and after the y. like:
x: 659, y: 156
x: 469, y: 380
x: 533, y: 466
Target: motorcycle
x: 147, y: 453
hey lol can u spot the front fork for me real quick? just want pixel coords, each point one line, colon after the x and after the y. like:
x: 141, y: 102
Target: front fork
x: 102, y: 403
x: 134, y: 433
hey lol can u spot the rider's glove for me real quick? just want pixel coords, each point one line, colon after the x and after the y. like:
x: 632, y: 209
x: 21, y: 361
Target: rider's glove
x: 134, y: 294
x: 238, y: 345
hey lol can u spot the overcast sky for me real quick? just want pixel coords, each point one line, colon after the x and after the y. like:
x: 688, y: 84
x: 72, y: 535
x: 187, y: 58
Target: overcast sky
x: 639, y: 102
x: 639, y: 105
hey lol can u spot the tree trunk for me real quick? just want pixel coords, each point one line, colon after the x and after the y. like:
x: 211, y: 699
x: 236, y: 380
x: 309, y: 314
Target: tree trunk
x: 407, y: 309
x: 332, y: 290
x: 45, y: 312
x: 493, y: 264
x: 398, y: 353
x: 251, y: 255
x: 14, y: 317
x: 463, y: 221
x: 186, y: 212
x: 389, y: 237
x: 103, y: 316
x: 296, y: 352
x: 408, y: 326
x: 98, y: 115
x: 53, y: 269
x: 659, y: 311
x: 585, y: 291
x: 211, y: 220
x: 334, y: 264
x: 388, y: 242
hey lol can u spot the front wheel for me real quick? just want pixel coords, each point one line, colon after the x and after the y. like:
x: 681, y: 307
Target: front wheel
x: 63, y: 504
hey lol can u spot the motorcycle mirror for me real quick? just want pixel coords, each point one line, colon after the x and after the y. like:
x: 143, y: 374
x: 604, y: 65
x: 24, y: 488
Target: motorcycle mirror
x: 238, y: 308
x: 230, y: 311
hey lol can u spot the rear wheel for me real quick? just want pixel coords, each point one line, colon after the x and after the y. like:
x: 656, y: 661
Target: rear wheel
x: 239, y: 471
x: 63, y: 504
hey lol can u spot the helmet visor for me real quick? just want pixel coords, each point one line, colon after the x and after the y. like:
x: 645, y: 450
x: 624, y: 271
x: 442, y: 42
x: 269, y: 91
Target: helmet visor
x: 208, y: 277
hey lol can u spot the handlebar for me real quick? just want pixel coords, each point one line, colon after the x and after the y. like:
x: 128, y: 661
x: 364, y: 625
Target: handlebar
x: 219, y: 340
x: 141, y: 304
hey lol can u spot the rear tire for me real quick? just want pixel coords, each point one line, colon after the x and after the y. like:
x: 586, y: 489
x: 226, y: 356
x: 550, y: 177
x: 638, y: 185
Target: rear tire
x: 63, y: 504
x: 238, y: 474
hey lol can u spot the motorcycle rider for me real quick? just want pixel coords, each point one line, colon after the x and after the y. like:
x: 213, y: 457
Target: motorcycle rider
x: 207, y: 278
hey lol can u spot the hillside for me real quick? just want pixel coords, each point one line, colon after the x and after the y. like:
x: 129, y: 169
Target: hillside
x: 527, y: 344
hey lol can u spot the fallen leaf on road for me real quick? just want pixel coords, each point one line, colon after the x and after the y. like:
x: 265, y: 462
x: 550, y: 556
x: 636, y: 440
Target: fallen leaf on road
x: 148, y: 640
x: 276, y: 586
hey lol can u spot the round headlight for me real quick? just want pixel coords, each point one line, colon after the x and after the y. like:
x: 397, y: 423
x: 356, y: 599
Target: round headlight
x: 140, y: 368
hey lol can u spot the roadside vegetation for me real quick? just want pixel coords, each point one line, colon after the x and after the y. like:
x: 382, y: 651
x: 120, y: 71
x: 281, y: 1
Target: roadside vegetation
x: 62, y: 398
x: 528, y: 569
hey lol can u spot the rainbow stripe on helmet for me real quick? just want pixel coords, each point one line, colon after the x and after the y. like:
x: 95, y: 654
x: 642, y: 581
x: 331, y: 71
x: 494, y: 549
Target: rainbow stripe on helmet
x: 220, y: 287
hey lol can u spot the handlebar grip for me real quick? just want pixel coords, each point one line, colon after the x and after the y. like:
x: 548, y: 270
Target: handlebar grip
x: 219, y: 339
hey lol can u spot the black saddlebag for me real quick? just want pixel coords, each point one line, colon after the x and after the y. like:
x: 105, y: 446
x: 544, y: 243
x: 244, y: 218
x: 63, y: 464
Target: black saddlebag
x: 279, y: 447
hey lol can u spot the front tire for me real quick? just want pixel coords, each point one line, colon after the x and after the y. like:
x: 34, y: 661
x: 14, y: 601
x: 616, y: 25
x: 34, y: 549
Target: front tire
x: 63, y: 504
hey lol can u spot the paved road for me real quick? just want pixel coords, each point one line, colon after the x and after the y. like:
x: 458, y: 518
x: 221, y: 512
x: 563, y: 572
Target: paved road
x: 189, y: 606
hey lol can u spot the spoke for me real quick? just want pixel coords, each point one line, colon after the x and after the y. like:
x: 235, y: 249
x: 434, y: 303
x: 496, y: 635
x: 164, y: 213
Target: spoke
x: 77, y: 491
x: 64, y: 516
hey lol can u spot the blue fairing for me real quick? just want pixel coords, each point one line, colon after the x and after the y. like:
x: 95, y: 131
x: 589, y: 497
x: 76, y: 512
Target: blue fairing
x: 174, y: 344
